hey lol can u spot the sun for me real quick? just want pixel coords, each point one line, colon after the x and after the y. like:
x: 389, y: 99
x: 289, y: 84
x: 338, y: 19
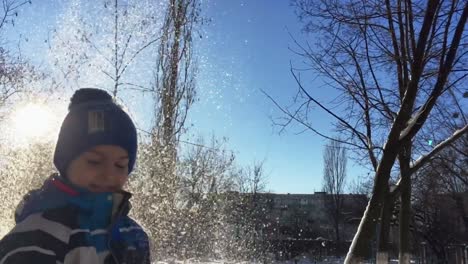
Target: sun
x: 32, y: 121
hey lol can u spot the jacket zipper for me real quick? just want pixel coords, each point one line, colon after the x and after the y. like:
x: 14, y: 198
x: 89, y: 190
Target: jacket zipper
x: 113, y: 222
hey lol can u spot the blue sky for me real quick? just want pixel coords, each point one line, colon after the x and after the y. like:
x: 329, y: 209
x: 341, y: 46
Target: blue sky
x: 247, y: 51
x: 244, y: 50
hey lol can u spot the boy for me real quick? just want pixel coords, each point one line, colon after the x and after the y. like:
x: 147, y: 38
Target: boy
x: 81, y: 214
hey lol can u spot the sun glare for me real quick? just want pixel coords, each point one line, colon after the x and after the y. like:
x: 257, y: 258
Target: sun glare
x: 32, y: 121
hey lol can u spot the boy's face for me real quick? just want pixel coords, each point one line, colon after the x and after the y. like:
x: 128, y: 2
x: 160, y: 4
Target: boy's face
x: 103, y: 168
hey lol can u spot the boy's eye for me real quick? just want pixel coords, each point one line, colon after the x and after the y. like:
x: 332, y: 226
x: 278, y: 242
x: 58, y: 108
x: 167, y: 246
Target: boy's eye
x: 121, y: 166
x: 94, y: 162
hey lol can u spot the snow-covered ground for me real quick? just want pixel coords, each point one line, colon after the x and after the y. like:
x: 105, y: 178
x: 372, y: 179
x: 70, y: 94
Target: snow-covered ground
x: 330, y: 260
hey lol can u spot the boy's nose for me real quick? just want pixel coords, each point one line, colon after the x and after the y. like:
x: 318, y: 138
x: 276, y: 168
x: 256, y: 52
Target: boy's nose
x: 109, y: 173
x: 103, y: 188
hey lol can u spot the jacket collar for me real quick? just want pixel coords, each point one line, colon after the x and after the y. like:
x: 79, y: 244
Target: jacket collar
x: 57, y: 192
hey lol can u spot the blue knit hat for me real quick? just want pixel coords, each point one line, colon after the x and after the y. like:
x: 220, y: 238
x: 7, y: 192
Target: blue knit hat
x: 94, y: 119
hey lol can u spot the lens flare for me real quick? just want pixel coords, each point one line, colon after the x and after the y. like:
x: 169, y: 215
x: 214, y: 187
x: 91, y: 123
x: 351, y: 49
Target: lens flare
x: 32, y: 121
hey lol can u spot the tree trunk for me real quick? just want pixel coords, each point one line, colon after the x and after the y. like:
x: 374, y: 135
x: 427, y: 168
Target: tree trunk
x: 461, y: 209
x: 360, y: 248
x: 383, y: 246
x: 168, y: 94
x: 336, y: 220
x: 337, y: 232
x: 405, y: 210
x: 170, y: 88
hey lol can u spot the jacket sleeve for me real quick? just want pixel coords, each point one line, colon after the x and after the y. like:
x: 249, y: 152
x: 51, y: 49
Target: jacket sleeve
x: 133, y: 246
x: 146, y: 252
x: 29, y: 245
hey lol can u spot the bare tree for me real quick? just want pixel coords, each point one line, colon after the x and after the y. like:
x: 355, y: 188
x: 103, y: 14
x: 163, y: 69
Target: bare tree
x: 18, y: 79
x: 252, y: 179
x: 175, y: 72
x: 14, y: 71
x: 206, y: 169
x: 173, y: 91
x: 247, y: 212
x: 392, y: 64
x: 439, y: 201
x: 334, y: 179
x: 105, y: 54
x: 206, y: 173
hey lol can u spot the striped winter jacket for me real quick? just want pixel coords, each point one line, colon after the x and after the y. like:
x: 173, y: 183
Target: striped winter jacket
x: 60, y: 223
